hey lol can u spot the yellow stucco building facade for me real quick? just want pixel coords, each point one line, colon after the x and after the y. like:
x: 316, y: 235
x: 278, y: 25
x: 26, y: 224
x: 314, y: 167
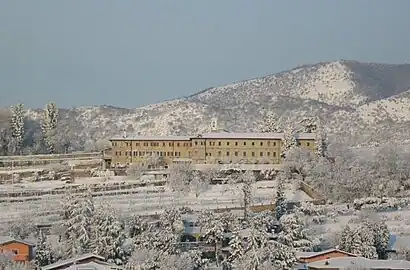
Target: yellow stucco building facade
x: 209, y: 148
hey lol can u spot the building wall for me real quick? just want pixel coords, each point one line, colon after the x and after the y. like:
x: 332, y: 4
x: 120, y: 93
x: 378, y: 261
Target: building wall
x: 202, y: 150
x: 22, y: 251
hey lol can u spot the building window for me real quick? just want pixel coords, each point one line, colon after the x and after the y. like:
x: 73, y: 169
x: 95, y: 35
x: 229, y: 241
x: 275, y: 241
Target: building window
x: 137, y: 144
x: 227, y: 153
x: 244, y: 143
x: 209, y: 154
x: 274, y: 154
x: 163, y: 144
x: 261, y: 143
x: 261, y: 154
x: 268, y: 143
x: 253, y: 143
x: 299, y: 143
x: 15, y: 251
x: 210, y: 143
x: 268, y: 153
x: 253, y: 154
x: 308, y: 144
x: 219, y: 153
x: 190, y: 144
x: 274, y: 143
x: 145, y: 144
x: 227, y: 143
x: 196, y: 143
x: 219, y: 143
x: 244, y: 154
x: 177, y: 144
x: 236, y: 143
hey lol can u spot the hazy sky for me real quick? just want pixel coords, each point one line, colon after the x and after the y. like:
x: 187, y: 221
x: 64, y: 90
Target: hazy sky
x: 129, y: 53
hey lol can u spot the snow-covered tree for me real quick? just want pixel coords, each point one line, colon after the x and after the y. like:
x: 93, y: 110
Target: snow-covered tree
x: 280, y: 200
x: 309, y: 125
x: 44, y: 255
x: 17, y: 128
x: 199, y: 184
x: 49, y: 126
x: 346, y: 240
x: 359, y: 241
x: 180, y: 177
x: 293, y: 232
x: 22, y: 227
x: 289, y: 140
x: 321, y: 142
x: 213, y: 229
x: 236, y: 247
x: 136, y: 226
x: 78, y: 219
x: 270, y: 124
x: 109, y: 236
x: 246, y: 179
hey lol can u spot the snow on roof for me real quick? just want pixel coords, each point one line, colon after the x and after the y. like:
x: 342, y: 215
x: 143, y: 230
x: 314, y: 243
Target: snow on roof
x: 72, y: 261
x: 8, y: 239
x: 92, y: 266
x: 216, y: 135
x: 305, y: 255
x: 346, y: 262
x: 255, y: 135
x: 150, y: 138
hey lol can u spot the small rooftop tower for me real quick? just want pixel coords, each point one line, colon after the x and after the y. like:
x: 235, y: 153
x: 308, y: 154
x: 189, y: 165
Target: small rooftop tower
x: 214, y: 125
x: 124, y: 133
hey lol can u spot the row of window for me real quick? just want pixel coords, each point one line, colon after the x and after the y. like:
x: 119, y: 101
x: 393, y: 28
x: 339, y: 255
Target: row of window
x: 145, y: 154
x: 186, y: 144
x: 178, y: 154
x: 236, y: 154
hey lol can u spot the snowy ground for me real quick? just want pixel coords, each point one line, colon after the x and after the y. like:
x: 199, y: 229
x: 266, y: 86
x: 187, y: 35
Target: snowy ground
x: 397, y: 221
x: 146, y: 202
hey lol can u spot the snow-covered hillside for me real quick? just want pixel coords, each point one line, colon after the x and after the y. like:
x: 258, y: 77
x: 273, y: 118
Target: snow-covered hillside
x: 347, y: 95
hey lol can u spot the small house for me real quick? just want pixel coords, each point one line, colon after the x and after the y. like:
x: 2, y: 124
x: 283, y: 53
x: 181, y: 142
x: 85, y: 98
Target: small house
x: 19, y: 250
x: 81, y: 262
x: 304, y: 258
x: 347, y: 263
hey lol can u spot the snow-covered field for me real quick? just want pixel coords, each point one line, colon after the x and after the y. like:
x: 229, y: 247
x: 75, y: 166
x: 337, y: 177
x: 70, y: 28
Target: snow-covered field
x: 147, y: 202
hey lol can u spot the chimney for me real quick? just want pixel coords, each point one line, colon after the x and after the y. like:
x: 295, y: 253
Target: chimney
x: 124, y: 134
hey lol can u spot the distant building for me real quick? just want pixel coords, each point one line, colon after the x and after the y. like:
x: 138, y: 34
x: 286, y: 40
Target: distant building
x: 20, y: 251
x: 211, y: 148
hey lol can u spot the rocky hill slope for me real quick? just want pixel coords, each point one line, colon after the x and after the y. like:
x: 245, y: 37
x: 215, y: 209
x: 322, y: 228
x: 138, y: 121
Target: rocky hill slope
x: 358, y: 102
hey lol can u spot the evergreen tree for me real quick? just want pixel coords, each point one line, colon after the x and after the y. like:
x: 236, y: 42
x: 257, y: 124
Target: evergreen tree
x: 293, y: 233
x: 270, y: 124
x: 44, y: 254
x: 280, y: 203
x: 289, y: 140
x: 321, y: 142
x: 78, y: 220
x: 17, y: 128
x: 49, y: 126
x: 346, y: 239
x: 109, y: 237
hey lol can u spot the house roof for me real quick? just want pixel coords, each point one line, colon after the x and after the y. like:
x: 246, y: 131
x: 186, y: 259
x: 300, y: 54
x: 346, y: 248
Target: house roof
x: 93, y: 266
x: 215, y: 135
x: 359, y: 262
x: 255, y: 135
x: 150, y: 138
x: 7, y: 239
x: 72, y: 261
x: 307, y: 255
